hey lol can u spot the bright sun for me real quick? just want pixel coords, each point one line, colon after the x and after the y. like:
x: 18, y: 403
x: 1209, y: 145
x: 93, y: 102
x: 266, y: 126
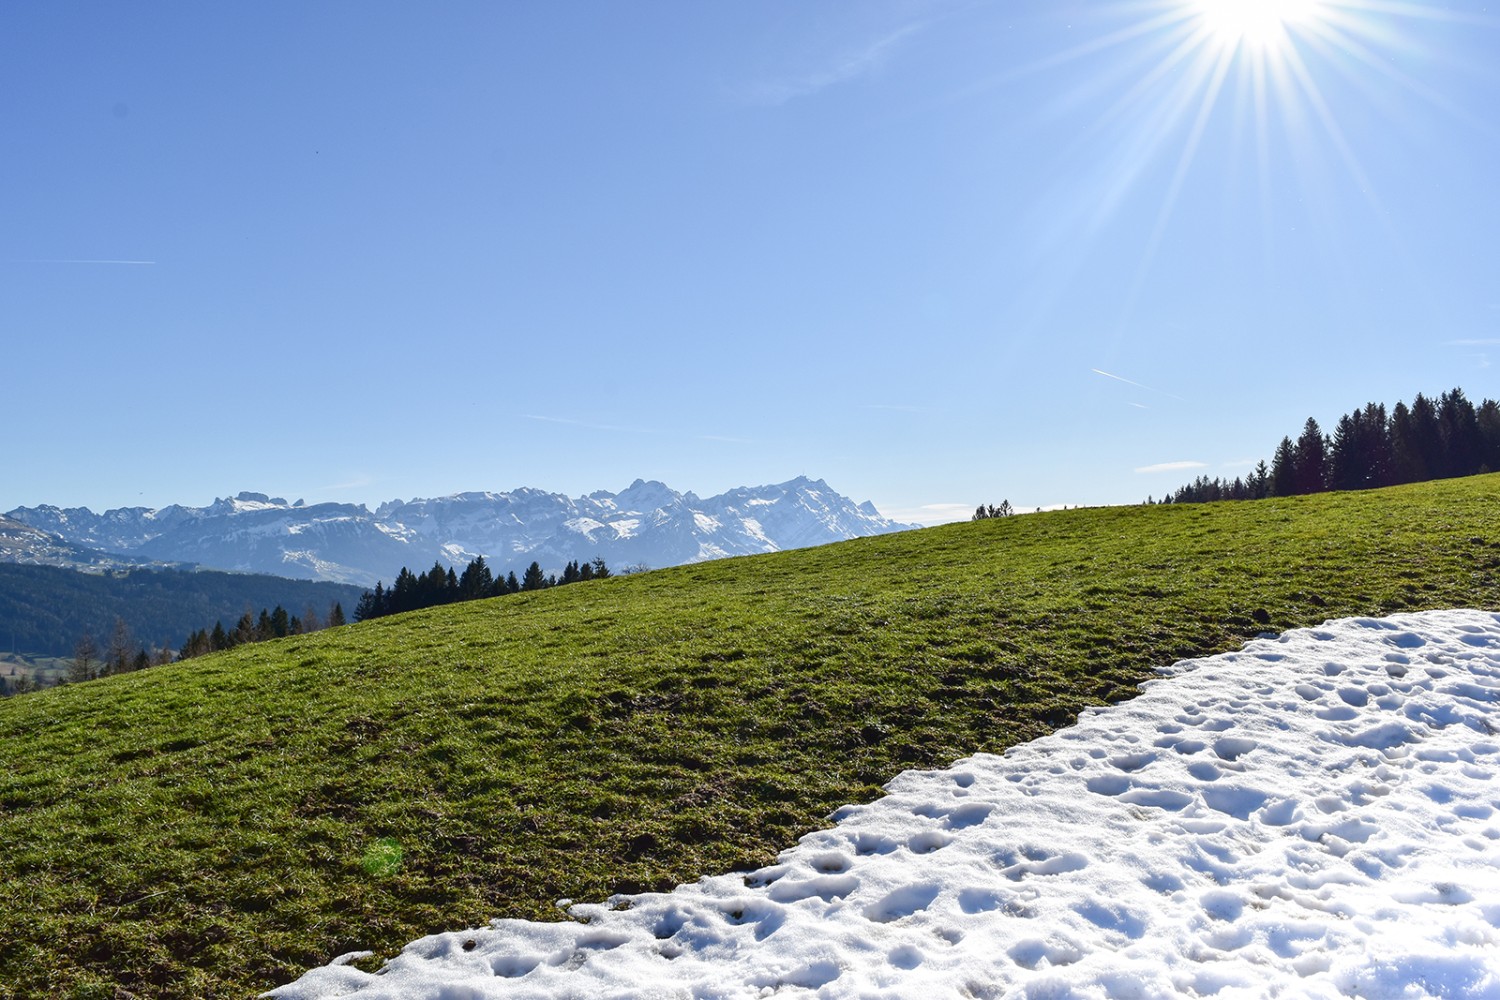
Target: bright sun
x: 1260, y: 24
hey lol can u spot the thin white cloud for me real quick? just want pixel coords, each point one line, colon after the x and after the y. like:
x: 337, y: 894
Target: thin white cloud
x: 1118, y: 378
x: 895, y: 407
x: 1100, y: 371
x: 1481, y: 342
x: 850, y: 66
x: 1171, y: 467
x: 928, y: 514
x: 586, y: 424
x: 51, y: 260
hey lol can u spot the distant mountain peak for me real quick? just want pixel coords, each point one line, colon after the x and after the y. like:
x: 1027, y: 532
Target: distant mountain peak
x: 647, y: 496
x: 647, y: 523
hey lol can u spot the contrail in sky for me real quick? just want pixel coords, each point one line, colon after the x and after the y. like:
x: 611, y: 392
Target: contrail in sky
x: 46, y: 260
x: 1127, y: 381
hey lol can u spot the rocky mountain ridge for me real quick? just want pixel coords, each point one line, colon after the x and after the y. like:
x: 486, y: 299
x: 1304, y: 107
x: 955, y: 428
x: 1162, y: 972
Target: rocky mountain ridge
x: 648, y: 523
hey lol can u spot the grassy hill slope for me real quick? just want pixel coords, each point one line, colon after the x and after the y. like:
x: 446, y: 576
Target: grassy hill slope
x: 212, y: 828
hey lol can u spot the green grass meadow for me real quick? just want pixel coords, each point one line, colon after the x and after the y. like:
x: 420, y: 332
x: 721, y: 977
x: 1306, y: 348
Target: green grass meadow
x: 213, y: 828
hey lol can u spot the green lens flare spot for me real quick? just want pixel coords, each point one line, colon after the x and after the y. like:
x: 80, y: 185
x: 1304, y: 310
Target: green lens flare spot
x: 383, y: 857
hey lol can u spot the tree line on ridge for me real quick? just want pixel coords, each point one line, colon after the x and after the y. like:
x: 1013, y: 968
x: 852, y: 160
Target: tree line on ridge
x: 273, y: 624
x: 441, y: 585
x: 1369, y: 448
x: 410, y: 592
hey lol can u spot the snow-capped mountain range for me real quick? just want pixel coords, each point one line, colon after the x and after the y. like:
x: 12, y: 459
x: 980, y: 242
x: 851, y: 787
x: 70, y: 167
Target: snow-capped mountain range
x: 28, y: 546
x: 647, y: 524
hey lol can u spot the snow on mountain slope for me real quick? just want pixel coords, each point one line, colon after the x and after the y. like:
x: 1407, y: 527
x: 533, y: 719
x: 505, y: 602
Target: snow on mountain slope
x: 31, y: 546
x: 647, y: 523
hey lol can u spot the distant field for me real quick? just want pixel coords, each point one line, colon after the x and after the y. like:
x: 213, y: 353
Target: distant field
x: 43, y: 669
x: 212, y: 828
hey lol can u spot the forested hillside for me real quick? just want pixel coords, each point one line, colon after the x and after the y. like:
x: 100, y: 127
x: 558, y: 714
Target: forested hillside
x: 45, y: 611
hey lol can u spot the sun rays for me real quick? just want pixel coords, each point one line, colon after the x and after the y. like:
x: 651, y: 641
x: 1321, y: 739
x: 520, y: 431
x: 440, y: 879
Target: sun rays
x: 1255, y: 24
x: 1253, y: 95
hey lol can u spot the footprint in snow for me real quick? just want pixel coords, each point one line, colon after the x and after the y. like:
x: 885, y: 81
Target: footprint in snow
x: 824, y: 887
x: 903, y: 902
x: 928, y: 841
x: 832, y: 863
x: 1132, y: 761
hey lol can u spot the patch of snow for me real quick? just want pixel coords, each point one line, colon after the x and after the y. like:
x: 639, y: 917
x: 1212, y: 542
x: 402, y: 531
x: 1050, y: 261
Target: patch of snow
x: 754, y: 530
x: 588, y: 527
x: 1317, y: 815
x: 456, y: 555
x: 708, y: 550
x: 399, y: 532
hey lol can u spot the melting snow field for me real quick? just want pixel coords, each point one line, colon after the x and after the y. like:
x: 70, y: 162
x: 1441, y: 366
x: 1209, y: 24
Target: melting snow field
x: 1317, y: 815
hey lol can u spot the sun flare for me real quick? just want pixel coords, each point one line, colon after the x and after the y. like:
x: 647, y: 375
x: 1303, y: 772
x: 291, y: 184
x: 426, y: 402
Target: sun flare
x: 1260, y: 24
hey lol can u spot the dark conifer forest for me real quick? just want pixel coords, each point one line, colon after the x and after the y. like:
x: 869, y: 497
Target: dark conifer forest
x: 410, y: 592
x: 1371, y: 447
x: 44, y: 610
x: 274, y: 624
x: 441, y: 585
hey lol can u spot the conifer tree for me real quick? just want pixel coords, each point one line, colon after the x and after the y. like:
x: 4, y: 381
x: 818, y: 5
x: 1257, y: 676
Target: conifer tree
x: 85, y: 665
x: 1310, y: 459
x: 117, y: 658
x: 1260, y: 481
x: 1377, y: 445
x: 1284, y: 470
x: 1347, y: 461
x: 477, y: 580
x: 403, y: 593
x: 1408, y: 465
x: 1458, y: 430
x: 1487, y: 419
x: 372, y: 604
x: 198, y: 644
x: 244, y: 630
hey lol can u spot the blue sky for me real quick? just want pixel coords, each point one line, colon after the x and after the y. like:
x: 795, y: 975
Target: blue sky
x: 937, y: 253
